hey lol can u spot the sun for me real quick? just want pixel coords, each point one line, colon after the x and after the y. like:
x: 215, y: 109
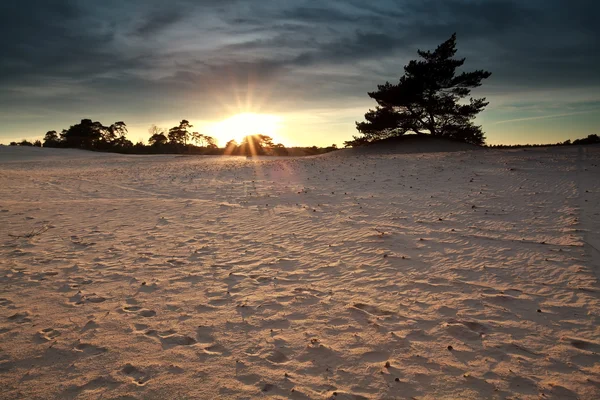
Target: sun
x: 244, y: 124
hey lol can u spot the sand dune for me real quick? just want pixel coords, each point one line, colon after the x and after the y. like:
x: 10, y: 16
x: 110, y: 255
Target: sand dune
x: 470, y: 274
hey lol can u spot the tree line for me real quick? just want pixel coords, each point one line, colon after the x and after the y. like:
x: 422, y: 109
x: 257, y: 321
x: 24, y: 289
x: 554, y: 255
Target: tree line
x: 590, y: 139
x: 180, y: 139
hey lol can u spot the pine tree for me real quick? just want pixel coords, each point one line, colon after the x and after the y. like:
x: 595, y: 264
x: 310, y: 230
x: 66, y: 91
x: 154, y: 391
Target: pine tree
x: 427, y: 100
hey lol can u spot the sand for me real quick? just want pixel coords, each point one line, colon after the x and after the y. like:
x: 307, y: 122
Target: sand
x: 462, y: 275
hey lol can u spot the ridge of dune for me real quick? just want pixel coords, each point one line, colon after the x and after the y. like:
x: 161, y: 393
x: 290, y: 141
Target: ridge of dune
x: 408, y: 144
x: 32, y: 153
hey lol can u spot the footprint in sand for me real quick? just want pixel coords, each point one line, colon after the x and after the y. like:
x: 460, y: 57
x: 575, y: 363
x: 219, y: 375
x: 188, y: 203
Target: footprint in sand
x: 89, y: 349
x: 177, y: 340
x: 137, y: 376
x: 140, y: 327
x: 94, y: 298
x: 5, y: 302
x: 91, y: 324
x: 375, y: 356
x: 171, y: 338
x: 216, y: 350
x: 144, y: 312
x: 46, y: 335
x: 277, y: 357
x: 80, y: 298
x: 147, y: 313
x: 101, y: 382
x: 204, y: 335
x: 249, y: 379
x: 20, y: 317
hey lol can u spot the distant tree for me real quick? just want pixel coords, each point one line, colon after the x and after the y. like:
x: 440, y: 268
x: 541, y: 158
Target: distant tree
x: 51, y: 139
x: 85, y: 135
x: 25, y: 142
x: 426, y: 100
x: 121, y: 143
x: 157, y: 136
x: 116, y: 130
x: 37, y: 143
x: 13, y: 144
x: 180, y: 134
x: 256, y: 145
x: 280, y: 150
x: 591, y: 139
x: 203, y: 140
x: 231, y: 148
x: 113, y: 137
x: 158, y: 139
x: 331, y: 148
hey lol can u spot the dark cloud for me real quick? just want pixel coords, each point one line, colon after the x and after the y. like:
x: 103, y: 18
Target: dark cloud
x: 158, y: 20
x: 114, y: 53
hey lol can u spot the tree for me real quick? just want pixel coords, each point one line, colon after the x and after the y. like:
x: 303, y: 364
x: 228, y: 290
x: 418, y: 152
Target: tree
x: 85, y: 135
x: 256, y: 145
x: 51, y: 139
x: 204, y: 140
x: 427, y: 100
x: 591, y: 139
x: 122, y: 142
x: 37, y: 143
x: 117, y: 130
x: 280, y: 150
x: 231, y: 148
x: 114, y: 137
x: 157, y: 136
x: 158, y: 139
x: 180, y: 134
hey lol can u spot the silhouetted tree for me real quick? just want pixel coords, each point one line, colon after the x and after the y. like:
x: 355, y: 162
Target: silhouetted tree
x: 426, y: 100
x: 122, y: 143
x: 204, y: 140
x: 116, y: 130
x: 255, y: 145
x: 591, y: 139
x: 180, y: 134
x: 158, y: 139
x: 25, y: 142
x: 51, y: 139
x: 37, y: 143
x: 157, y: 136
x: 280, y: 150
x: 85, y: 135
x: 231, y: 148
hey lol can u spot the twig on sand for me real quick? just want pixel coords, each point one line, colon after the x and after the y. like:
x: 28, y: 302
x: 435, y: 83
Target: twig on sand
x: 34, y: 232
x: 380, y: 232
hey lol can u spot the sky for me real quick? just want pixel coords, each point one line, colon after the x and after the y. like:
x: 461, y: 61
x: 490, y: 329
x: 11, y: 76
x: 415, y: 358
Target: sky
x: 305, y: 67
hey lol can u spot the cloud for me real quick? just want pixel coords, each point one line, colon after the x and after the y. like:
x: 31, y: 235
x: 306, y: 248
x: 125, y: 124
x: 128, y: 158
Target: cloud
x: 184, y: 54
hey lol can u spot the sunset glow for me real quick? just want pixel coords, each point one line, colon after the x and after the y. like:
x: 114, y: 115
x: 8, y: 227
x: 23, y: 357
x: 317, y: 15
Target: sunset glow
x: 241, y: 125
